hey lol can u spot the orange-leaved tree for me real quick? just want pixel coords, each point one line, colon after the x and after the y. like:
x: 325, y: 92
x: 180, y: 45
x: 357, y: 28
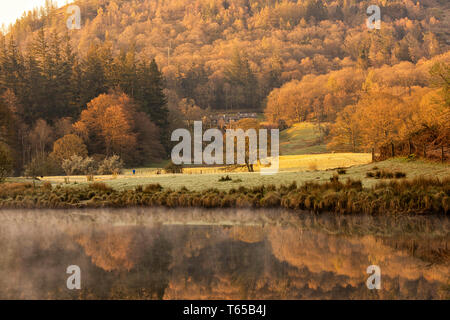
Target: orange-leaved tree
x: 112, y: 124
x: 68, y: 146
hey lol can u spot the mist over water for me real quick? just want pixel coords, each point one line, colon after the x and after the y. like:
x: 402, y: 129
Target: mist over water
x: 220, y: 254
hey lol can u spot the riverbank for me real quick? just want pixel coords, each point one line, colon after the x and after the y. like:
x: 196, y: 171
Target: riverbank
x: 416, y: 196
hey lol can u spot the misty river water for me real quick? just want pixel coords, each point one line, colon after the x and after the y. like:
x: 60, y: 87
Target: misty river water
x: 220, y: 254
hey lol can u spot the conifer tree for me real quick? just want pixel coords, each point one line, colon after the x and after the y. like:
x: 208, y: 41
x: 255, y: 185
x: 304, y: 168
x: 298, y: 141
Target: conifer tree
x: 151, y: 96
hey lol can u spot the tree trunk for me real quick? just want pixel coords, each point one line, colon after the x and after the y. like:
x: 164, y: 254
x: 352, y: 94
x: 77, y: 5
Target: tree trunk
x: 442, y: 154
x: 410, y: 147
x: 424, y: 151
x: 320, y: 131
x: 249, y: 165
x: 354, y: 143
x: 373, y: 154
x: 392, y: 149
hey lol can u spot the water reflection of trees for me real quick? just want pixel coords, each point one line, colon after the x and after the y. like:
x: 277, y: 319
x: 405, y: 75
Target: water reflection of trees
x: 346, y: 258
x: 291, y: 264
x: 309, y: 260
x: 136, y: 262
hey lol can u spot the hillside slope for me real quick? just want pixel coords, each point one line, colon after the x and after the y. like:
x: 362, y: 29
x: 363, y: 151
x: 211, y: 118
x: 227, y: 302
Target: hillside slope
x: 218, y: 52
x: 302, y: 138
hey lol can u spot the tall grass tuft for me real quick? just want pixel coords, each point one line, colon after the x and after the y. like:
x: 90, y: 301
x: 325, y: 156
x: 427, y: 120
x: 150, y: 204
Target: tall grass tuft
x: 99, y: 186
x: 154, y: 187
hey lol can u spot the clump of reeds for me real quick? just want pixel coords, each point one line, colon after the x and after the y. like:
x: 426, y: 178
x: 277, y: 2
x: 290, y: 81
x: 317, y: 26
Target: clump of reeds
x: 385, y: 174
x: 100, y: 186
x: 225, y: 178
x: 47, y: 186
x: 334, y: 178
x: 370, y: 174
x: 399, y: 175
x: 154, y: 187
x: 12, y: 189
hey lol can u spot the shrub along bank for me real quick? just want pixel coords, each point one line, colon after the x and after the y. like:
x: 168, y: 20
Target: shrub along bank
x: 418, y: 196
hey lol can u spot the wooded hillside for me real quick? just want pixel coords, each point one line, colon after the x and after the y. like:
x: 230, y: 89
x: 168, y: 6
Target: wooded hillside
x: 153, y: 64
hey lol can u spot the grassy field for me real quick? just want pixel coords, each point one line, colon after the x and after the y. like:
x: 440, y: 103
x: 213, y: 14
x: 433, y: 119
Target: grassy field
x: 287, y: 163
x: 323, y: 172
x: 396, y: 195
x: 299, y: 149
x: 301, y: 139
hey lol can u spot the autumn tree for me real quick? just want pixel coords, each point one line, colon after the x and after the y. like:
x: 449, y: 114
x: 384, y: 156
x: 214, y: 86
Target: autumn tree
x: 106, y: 125
x: 63, y: 127
x: 346, y: 132
x: 440, y: 73
x: 431, y: 123
x: 191, y: 112
x: 380, y: 115
x: 41, y: 137
x: 251, y: 151
x: 296, y: 101
x: 68, y: 146
x: 113, y: 125
x: 287, y: 103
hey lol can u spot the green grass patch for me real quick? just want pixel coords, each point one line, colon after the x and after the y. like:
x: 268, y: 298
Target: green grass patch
x: 301, y: 138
